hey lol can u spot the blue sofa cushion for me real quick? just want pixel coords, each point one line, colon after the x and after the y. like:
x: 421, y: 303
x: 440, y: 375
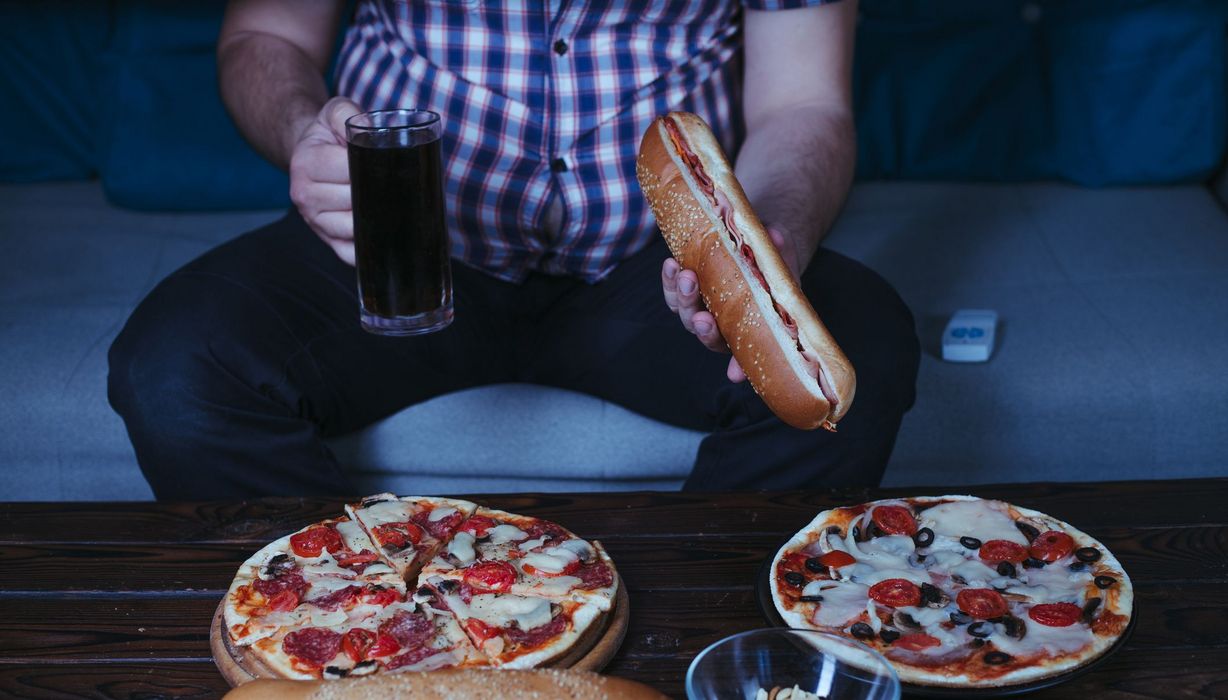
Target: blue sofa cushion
x: 1124, y: 92
x: 167, y: 142
x: 49, y: 71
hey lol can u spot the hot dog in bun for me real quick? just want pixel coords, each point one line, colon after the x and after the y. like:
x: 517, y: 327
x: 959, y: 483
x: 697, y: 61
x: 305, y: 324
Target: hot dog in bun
x: 788, y: 355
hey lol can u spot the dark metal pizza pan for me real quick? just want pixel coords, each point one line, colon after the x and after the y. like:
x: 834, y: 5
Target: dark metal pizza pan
x: 763, y: 597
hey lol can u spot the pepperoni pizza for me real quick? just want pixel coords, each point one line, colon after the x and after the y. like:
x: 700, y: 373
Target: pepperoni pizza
x: 418, y: 583
x: 956, y: 591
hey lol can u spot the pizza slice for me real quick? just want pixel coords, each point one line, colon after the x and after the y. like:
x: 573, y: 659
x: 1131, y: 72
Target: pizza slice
x: 513, y: 631
x: 402, y: 637
x: 526, y: 556
x: 324, y: 573
x: 408, y: 531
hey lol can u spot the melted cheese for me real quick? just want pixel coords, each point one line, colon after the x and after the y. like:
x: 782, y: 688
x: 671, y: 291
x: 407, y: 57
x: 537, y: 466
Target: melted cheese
x: 985, y: 520
x: 461, y: 548
x: 843, y: 601
x: 441, y: 513
x: 501, y: 610
x: 506, y: 533
x: 385, y: 512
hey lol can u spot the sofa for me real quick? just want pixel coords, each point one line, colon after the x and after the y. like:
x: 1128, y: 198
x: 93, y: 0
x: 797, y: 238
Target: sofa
x: 1087, y: 206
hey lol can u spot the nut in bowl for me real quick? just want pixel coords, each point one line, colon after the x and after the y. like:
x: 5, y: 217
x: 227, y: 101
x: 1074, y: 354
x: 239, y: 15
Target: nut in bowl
x: 789, y: 664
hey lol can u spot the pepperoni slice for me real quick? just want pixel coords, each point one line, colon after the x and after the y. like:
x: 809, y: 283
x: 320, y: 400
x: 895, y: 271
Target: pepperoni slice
x: 339, y: 598
x: 896, y: 592
x: 595, y: 575
x: 478, y: 525
x: 398, y: 534
x: 412, y: 656
x: 1051, y: 546
x: 539, y: 634
x: 442, y: 528
x: 837, y: 559
x: 284, y: 601
x: 314, y: 646
x: 356, y: 643
x: 310, y: 542
x: 292, y: 581
x: 547, y: 529
x: 996, y: 551
x: 409, y: 629
x: 1056, y: 614
x: 895, y: 520
x: 982, y: 603
x: 916, y: 642
x: 493, y: 576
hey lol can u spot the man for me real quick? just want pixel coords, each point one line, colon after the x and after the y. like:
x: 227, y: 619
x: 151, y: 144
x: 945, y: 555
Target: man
x: 236, y: 367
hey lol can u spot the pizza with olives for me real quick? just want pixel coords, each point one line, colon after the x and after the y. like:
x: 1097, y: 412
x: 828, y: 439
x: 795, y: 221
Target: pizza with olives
x: 956, y: 591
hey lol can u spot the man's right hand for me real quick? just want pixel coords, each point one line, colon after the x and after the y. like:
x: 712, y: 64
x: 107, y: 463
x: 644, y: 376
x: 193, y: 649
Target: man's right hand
x: 320, y: 177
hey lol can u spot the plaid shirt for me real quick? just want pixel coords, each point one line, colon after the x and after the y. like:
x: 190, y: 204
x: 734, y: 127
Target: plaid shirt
x: 540, y: 102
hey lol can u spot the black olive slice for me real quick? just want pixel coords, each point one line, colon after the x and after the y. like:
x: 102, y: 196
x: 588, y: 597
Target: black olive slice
x: 970, y: 542
x: 1005, y: 568
x: 888, y: 636
x: 1087, y: 555
x: 333, y: 673
x: 1033, y: 563
x: 980, y: 628
x: 811, y: 599
x: 1104, y: 581
x: 924, y: 537
x: 1028, y: 531
x: 1077, y: 566
x: 996, y: 658
x: 794, y: 578
x: 861, y: 630
x: 814, y: 565
x: 1089, y: 609
x: 977, y: 643
x: 960, y: 617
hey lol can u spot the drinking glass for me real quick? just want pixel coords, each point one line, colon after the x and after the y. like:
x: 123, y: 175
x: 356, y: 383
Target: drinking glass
x: 825, y: 665
x: 400, y: 240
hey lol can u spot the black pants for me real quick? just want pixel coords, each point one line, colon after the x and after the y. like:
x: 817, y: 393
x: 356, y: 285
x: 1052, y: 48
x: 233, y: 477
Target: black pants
x: 233, y: 370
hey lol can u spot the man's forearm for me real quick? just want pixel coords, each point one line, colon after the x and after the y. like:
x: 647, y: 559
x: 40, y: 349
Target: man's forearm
x: 796, y: 166
x: 273, y: 91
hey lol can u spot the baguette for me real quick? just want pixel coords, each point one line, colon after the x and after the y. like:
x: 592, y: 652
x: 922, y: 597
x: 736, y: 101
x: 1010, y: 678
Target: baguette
x: 466, y: 684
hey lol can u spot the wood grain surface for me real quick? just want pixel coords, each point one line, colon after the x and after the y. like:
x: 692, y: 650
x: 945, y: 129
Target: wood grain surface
x: 114, y: 600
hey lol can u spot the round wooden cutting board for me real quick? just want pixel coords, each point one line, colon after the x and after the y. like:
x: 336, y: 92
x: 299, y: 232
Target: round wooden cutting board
x: 239, y: 667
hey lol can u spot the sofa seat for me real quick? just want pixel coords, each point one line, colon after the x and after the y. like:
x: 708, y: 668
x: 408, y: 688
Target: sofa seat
x: 1111, y: 358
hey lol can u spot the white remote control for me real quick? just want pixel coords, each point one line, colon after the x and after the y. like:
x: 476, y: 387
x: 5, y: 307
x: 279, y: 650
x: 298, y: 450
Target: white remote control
x: 969, y: 336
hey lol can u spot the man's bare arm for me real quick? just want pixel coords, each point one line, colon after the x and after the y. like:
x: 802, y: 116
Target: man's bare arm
x: 798, y: 158
x: 797, y: 161
x: 272, y: 56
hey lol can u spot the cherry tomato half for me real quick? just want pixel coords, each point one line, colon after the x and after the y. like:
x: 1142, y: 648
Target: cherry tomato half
x: 996, y: 551
x: 357, y: 643
x: 837, y: 559
x: 1056, y: 614
x: 493, y: 576
x: 982, y: 603
x: 312, y: 541
x: 1051, y: 546
x: 896, y: 592
x: 895, y: 520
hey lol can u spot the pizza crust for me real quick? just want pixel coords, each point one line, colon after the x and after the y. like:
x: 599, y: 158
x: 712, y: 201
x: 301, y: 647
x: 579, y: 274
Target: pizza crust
x: 1116, y: 603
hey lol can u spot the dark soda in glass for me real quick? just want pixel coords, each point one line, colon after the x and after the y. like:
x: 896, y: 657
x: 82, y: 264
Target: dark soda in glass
x: 400, y: 240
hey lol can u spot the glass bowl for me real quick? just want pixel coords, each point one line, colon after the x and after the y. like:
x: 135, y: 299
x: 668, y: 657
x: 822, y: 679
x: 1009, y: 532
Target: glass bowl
x: 823, y: 665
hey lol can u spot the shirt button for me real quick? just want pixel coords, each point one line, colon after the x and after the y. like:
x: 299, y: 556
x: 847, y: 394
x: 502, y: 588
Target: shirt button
x: 558, y: 165
x: 560, y: 47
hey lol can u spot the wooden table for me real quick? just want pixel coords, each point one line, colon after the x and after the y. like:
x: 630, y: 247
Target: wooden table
x: 114, y: 599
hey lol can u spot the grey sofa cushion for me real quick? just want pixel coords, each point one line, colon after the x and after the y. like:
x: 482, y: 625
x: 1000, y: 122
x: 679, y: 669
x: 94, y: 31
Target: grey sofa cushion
x: 1112, y: 358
